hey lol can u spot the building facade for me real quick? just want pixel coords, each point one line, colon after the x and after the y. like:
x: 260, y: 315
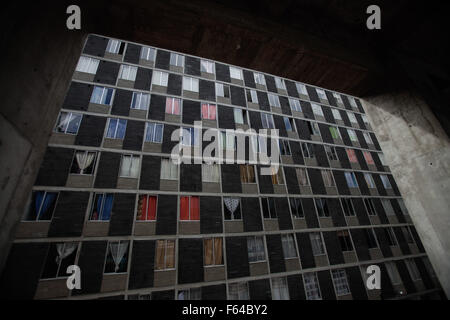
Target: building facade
x: 109, y: 199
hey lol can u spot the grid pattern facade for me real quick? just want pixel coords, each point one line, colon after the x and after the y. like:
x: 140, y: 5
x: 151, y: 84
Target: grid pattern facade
x: 108, y: 200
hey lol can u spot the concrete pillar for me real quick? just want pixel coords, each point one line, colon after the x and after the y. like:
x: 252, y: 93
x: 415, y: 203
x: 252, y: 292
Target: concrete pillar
x: 417, y: 150
x: 39, y: 57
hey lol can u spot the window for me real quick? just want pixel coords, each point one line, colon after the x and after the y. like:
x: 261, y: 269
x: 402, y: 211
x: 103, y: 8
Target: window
x: 228, y: 140
x: 102, y: 95
x: 428, y: 266
x: 189, y: 208
x: 331, y: 153
x: 368, y: 157
x: 116, y: 128
x: 371, y: 238
x: 139, y: 296
x: 386, y: 182
x: 407, y: 234
x: 289, y: 248
x: 128, y: 72
x: 302, y: 176
x: 402, y: 206
x: 176, y: 60
x: 370, y: 207
x: 322, y: 207
x: 392, y: 272
x: 352, y: 102
x: 207, y: 66
x: 267, y: 121
x: 336, y: 114
x: 239, y: 116
x: 169, y: 170
x: 365, y: 120
x: 252, y: 96
x: 289, y: 124
x: 115, y: 46
x: 312, y: 286
x: 83, y: 162
x: 412, y: 268
x: 277, y: 176
x: 285, y: 149
x: 352, y: 135
x: 160, y: 78
x: 274, y: 101
x: 60, y: 255
x: 102, y: 206
x: 340, y: 282
x: 301, y: 88
x: 68, y: 122
x: 295, y: 105
x: 210, y: 173
x: 148, y: 54
x: 351, y: 155
x: 327, y: 177
x: 247, y: 173
x: 87, y: 65
x: 238, y: 291
x: 367, y: 138
x: 232, y: 208
x: 280, y: 83
x: 344, y: 240
x: 165, y: 254
x: 190, y: 84
x: 190, y: 294
x: 351, y: 117
x: 222, y: 90
x: 369, y: 180
x: 130, y: 166
x: 235, y: 73
x: 255, y: 247
x: 338, y: 98
x: 382, y: 159
x: 208, y: 111
x: 334, y: 132
x: 387, y: 206
x: 351, y: 179
x: 317, y: 243
x: 42, y: 206
x: 390, y: 237
x: 146, y: 210
x: 268, y: 206
x: 317, y: 110
x: 259, y: 78
x: 321, y: 93
x: 140, y: 101
x: 297, y: 208
x: 280, y: 289
x: 173, y: 105
x: 313, y: 128
x: 213, y: 253
x: 117, y: 257
x: 154, y: 132
x: 347, y: 205
x: 308, y: 150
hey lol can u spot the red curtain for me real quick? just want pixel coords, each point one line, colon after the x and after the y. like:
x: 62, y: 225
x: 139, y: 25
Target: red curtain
x: 184, y: 208
x: 351, y: 155
x: 195, y: 208
x: 204, y: 111
x: 151, y: 208
x: 168, y: 105
x: 212, y: 112
x: 176, y: 106
x: 368, y: 157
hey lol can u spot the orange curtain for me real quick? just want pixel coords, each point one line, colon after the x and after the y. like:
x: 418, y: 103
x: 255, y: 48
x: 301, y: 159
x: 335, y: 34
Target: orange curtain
x: 170, y: 254
x: 208, y: 243
x: 218, y: 251
x: 195, y: 208
x: 160, y: 245
x: 184, y: 208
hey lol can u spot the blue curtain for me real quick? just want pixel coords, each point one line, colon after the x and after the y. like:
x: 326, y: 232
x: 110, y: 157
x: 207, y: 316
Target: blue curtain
x: 48, y: 201
x: 39, y: 198
x: 105, y: 214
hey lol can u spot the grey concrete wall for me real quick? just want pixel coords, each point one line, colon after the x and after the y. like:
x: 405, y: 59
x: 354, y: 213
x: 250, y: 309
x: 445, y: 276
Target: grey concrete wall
x: 39, y: 57
x: 418, y: 152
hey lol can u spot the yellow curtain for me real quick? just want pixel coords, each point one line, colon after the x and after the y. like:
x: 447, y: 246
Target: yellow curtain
x: 218, y: 251
x: 160, y: 246
x: 170, y: 254
x: 208, y: 251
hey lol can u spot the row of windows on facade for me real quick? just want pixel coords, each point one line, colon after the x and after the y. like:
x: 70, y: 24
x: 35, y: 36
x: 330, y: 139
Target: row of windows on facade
x: 128, y: 72
x: 43, y: 203
x: 63, y: 254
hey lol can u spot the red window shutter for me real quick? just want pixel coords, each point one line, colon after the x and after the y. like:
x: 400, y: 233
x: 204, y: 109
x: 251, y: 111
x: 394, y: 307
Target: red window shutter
x: 184, y: 208
x: 195, y: 208
x: 151, y: 210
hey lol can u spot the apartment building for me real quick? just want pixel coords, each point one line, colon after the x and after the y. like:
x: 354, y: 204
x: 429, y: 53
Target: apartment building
x: 109, y: 199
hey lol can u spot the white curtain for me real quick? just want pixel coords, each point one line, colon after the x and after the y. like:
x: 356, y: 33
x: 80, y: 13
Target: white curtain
x: 280, y: 290
x: 84, y: 160
x: 118, y: 251
x: 231, y: 204
x: 64, y: 250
